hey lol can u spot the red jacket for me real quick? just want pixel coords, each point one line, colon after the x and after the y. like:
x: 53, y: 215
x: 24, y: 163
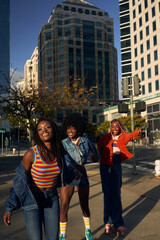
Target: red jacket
x: 105, y: 147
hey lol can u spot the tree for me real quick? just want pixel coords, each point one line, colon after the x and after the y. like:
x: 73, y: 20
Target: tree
x: 103, y: 128
x: 24, y: 107
x: 138, y: 122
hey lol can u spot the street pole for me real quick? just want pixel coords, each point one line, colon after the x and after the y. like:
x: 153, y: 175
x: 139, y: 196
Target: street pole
x: 132, y: 129
x: 2, y: 143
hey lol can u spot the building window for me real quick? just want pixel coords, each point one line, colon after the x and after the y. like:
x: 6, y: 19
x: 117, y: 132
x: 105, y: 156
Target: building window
x: 99, y: 35
x: 136, y: 65
x: 59, y: 32
x: 49, y: 67
x: 142, y: 76
x: 133, y: 2
x: 141, y: 35
x: 153, y: 12
x: 99, y: 45
x: 143, y: 89
x: 135, y: 52
x: 59, y: 22
x: 87, y: 11
x: 141, y: 48
x: 148, y: 59
x: 148, y: 44
x: 135, y: 39
x: 61, y: 50
x: 155, y: 55
x: 145, y: 3
x: 146, y: 17
x: 154, y: 26
x: 61, y: 72
x: 134, y: 13
x: 147, y: 30
x: 67, y: 22
x: 149, y: 73
x: 70, y: 41
x: 140, y: 22
x: 73, y: 9
x: 48, y: 27
x: 49, y: 59
x: 61, y: 42
x: 61, y: 57
x: 142, y: 62
x: 48, y: 36
x: 49, y: 52
x: 155, y: 40
x: 93, y: 12
x: 139, y: 9
x: 156, y: 70
x: 77, y: 20
x: 149, y: 87
x: 61, y: 65
x: 78, y: 32
x: 80, y: 10
x: 49, y: 45
x: 152, y: 1
x: 157, y: 85
x: 134, y: 26
x: 98, y: 24
x: 66, y: 8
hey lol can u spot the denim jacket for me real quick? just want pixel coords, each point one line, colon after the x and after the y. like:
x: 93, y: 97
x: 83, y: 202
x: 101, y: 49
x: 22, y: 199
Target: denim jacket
x: 85, y: 147
x: 21, y: 194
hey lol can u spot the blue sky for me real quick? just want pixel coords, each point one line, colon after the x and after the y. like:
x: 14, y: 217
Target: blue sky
x: 27, y: 18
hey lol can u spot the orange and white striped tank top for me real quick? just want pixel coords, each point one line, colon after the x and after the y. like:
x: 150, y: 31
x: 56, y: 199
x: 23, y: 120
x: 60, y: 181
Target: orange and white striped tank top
x: 44, y: 174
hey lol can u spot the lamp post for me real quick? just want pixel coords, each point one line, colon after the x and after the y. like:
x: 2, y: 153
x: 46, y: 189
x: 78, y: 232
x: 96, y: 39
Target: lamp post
x: 18, y: 138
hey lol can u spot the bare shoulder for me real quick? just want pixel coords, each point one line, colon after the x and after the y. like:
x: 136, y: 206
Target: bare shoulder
x: 28, y: 159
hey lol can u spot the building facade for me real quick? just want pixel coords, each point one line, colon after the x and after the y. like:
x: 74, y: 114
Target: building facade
x: 140, y: 53
x: 4, y: 44
x: 31, y: 72
x: 78, y: 42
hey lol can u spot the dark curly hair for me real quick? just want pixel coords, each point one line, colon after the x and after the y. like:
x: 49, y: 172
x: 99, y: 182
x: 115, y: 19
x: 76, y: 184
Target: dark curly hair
x: 56, y: 142
x: 75, y: 120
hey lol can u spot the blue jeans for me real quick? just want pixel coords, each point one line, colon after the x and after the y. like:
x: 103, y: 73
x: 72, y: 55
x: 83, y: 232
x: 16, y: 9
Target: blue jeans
x: 48, y: 213
x: 111, y: 178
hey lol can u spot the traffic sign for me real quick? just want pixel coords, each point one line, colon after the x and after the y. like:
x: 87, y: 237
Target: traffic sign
x: 2, y: 131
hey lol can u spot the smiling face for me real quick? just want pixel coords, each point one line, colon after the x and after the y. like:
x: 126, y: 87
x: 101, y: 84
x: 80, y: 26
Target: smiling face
x: 72, y: 132
x: 115, y: 130
x: 45, y: 131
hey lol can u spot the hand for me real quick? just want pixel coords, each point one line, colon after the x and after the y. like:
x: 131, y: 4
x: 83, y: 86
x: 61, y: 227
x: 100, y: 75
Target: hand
x: 139, y: 131
x: 7, y: 218
x: 78, y: 174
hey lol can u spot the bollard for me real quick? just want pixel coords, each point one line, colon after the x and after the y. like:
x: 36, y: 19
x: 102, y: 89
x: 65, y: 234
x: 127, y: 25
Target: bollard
x: 157, y: 168
x: 14, y: 151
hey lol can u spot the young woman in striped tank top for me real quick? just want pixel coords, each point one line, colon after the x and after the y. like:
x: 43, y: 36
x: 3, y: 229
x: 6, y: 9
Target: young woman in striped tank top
x: 43, y: 165
x: 112, y: 148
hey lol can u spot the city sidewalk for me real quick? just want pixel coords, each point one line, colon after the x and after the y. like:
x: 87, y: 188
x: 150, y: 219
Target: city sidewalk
x: 141, y: 208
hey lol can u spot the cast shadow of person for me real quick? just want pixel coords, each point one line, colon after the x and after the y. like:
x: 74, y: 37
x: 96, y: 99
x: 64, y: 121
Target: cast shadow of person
x: 136, y: 212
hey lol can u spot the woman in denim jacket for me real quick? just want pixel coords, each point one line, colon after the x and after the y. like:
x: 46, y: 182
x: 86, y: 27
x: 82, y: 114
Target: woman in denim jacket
x: 79, y: 149
x: 36, y: 181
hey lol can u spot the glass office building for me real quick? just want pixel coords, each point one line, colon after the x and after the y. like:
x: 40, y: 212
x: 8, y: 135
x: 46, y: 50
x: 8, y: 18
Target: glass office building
x: 5, y: 43
x: 78, y: 42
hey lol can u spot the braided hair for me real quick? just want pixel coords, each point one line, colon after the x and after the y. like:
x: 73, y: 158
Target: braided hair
x: 121, y: 128
x: 57, y: 147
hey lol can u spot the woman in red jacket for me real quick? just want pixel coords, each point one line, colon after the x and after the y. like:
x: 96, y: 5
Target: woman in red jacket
x: 112, y: 148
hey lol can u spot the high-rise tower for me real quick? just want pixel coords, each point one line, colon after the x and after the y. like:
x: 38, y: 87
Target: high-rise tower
x: 4, y: 43
x: 78, y: 42
x: 140, y: 42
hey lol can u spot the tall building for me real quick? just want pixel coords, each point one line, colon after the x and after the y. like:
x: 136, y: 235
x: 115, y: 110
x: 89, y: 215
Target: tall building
x: 31, y: 71
x: 78, y: 42
x: 140, y: 53
x: 5, y: 43
x: 140, y: 42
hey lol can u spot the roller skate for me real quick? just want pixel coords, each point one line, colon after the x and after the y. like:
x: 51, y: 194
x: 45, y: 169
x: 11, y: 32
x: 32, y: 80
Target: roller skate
x: 120, y: 231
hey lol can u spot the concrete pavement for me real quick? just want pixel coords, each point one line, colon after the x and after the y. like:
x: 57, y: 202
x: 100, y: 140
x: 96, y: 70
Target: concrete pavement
x: 140, y: 200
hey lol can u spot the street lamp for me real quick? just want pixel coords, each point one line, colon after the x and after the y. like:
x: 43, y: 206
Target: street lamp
x: 18, y: 138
